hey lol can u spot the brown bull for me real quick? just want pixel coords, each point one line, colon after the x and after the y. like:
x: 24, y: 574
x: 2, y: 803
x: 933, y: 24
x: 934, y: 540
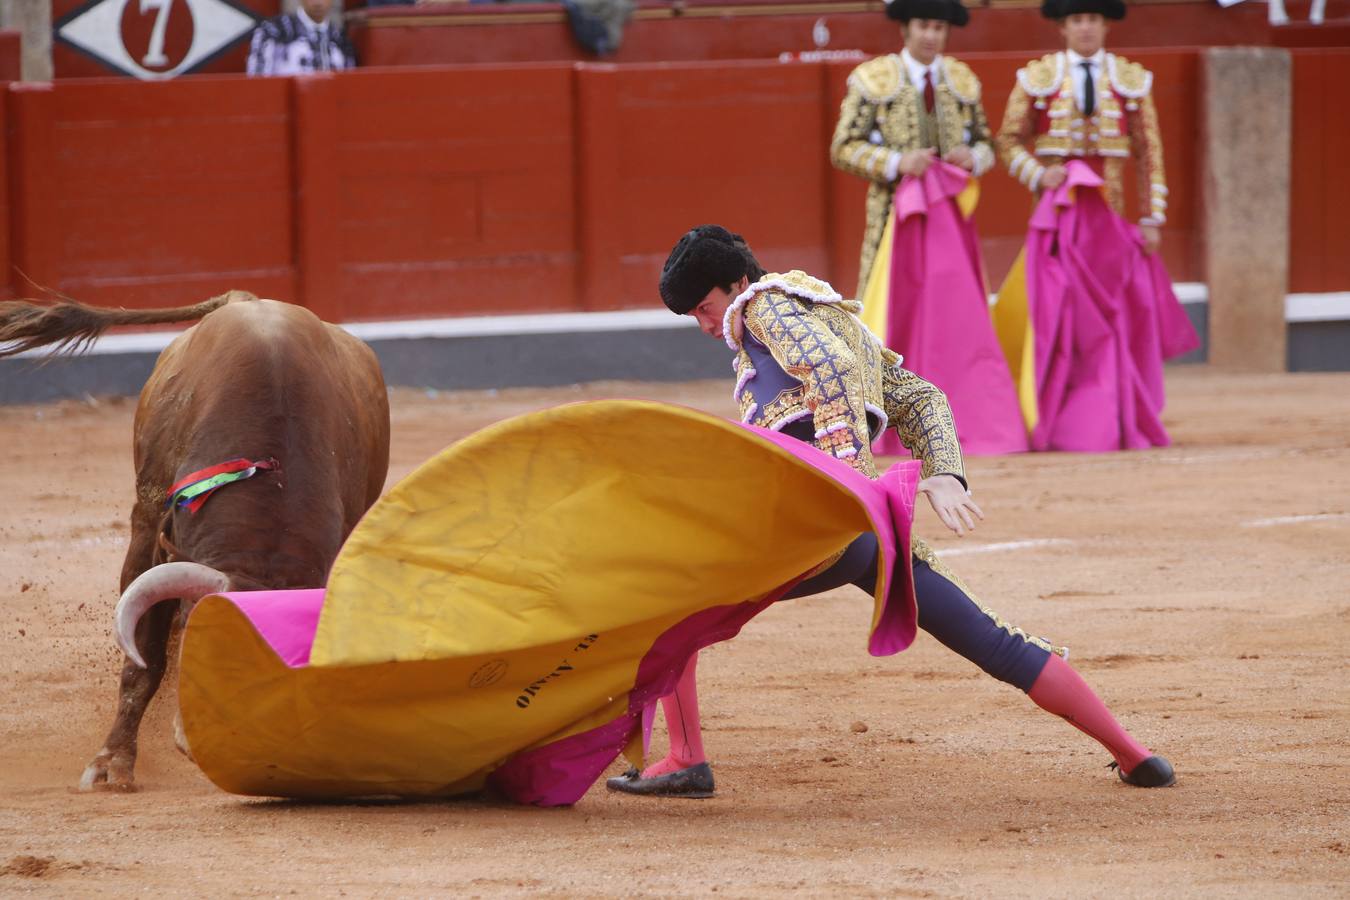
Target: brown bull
x: 256, y: 379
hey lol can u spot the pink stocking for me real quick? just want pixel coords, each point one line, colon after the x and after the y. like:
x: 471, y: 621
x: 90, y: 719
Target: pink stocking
x: 686, y: 738
x: 1062, y: 691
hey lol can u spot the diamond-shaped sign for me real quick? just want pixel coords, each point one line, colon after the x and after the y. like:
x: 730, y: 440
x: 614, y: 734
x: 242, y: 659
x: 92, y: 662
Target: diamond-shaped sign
x: 155, y: 39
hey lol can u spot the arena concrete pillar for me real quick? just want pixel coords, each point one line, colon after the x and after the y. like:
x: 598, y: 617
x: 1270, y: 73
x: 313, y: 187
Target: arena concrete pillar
x: 1246, y: 114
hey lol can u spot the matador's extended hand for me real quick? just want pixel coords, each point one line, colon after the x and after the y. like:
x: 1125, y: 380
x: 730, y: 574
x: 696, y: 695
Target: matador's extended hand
x: 951, y: 502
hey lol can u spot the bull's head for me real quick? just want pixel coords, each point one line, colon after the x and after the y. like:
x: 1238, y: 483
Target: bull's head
x: 187, y: 581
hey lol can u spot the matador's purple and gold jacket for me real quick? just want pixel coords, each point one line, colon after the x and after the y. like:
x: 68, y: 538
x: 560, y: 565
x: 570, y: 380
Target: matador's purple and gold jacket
x: 806, y: 365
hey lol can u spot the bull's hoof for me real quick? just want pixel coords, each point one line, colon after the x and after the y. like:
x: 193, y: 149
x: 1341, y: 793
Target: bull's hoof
x: 109, y: 773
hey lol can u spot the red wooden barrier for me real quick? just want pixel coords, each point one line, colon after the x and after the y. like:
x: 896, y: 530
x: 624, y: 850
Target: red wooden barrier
x: 6, y: 210
x: 147, y: 194
x: 11, y: 54
x: 318, y: 200
x: 1319, y: 227
x: 468, y: 190
x: 600, y: 234
x: 739, y: 144
x: 11, y: 69
x: 35, y: 227
x: 660, y: 31
x: 457, y: 190
x: 153, y: 39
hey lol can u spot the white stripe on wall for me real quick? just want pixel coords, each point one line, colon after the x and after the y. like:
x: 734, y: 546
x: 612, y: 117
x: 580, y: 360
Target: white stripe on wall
x: 1328, y: 307
x: 1191, y: 291
x: 461, y: 327
x: 1317, y: 307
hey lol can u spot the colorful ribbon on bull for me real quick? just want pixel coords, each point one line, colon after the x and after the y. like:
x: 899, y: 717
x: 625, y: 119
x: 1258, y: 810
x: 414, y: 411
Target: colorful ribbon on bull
x: 191, y: 491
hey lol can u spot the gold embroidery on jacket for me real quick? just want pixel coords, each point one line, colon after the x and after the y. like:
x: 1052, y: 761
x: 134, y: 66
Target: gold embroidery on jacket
x: 845, y: 374
x: 883, y: 114
x: 1124, y: 124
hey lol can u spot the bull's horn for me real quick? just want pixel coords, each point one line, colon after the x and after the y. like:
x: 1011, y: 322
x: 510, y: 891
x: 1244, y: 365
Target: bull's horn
x: 187, y: 580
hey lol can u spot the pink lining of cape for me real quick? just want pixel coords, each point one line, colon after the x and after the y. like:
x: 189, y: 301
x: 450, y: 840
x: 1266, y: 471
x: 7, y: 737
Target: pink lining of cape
x: 938, y: 314
x: 1104, y: 318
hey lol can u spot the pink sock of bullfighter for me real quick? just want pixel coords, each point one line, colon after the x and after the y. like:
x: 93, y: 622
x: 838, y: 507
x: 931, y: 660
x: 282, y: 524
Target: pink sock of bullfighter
x: 686, y: 737
x: 1062, y: 691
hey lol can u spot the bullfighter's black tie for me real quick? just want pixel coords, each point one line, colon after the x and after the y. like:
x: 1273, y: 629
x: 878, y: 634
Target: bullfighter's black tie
x: 1089, y: 89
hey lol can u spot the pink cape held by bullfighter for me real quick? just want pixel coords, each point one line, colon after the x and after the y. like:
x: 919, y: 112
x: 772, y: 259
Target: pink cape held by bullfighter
x: 927, y: 301
x: 1086, y: 318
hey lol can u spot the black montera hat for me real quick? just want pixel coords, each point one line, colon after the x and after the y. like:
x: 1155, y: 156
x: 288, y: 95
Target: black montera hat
x: 950, y: 11
x: 707, y: 257
x: 1060, y: 9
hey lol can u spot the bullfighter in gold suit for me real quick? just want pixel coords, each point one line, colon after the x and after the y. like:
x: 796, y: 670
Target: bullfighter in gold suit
x: 1085, y: 103
x: 906, y: 109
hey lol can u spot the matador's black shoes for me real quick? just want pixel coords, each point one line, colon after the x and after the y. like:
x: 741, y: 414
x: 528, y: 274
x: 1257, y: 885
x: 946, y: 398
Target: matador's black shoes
x: 1152, y: 772
x: 693, y: 783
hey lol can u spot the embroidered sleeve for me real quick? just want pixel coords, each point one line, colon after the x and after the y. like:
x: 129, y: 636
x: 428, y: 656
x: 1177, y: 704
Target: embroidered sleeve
x: 809, y: 352
x: 1146, y: 147
x: 922, y: 418
x: 1014, y: 136
x: 857, y: 147
x: 979, y: 141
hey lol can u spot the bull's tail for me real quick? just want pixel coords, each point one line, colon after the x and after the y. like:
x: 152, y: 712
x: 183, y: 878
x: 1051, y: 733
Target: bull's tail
x: 72, y: 326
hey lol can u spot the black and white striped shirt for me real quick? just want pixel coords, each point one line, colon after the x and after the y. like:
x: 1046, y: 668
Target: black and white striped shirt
x: 294, y: 44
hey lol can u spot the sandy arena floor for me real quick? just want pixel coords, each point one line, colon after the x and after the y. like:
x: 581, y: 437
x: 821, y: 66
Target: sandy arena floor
x: 1204, y: 589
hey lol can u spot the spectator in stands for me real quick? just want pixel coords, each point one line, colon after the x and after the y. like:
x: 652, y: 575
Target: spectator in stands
x: 306, y: 40
x: 1277, y: 15
x: 598, y: 24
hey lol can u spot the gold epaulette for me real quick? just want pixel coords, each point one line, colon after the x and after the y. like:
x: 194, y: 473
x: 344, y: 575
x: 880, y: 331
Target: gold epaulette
x: 878, y: 79
x: 799, y: 285
x: 961, y: 81
x: 1129, y: 79
x: 1042, y: 77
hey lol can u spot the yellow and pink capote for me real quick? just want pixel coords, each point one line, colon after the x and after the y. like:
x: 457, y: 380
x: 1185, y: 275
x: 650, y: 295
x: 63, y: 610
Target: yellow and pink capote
x: 504, y: 615
x: 926, y: 299
x: 1085, y: 318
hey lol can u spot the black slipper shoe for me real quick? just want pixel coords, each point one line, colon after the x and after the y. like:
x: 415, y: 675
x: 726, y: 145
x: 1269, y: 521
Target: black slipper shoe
x: 1152, y: 772
x: 693, y: 783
